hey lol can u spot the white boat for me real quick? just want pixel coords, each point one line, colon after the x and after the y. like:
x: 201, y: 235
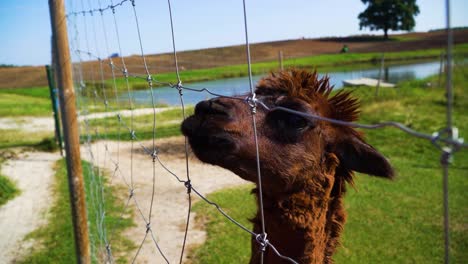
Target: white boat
x: 367, y: 82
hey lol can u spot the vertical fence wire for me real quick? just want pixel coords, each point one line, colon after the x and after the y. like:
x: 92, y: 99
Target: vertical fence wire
x: 253, y: 105
x: 181, y: 98
x: 93, y: 171
x: 154, y: 152
x: 101, y: 228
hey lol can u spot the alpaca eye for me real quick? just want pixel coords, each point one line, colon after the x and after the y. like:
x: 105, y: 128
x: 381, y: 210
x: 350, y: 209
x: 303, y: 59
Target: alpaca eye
x: 286, y: 127
x: 296, y: 122
x: 287, y: 121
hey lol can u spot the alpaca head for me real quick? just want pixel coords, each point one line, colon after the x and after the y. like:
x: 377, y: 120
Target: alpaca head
x: 290, y: 146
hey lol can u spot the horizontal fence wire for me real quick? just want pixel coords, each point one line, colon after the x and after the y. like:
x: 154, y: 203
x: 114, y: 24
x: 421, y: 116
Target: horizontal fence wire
x: 446, y: 140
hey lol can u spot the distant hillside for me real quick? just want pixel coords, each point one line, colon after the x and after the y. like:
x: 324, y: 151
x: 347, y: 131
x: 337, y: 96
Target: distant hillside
x: 12, y: 77
x: 7, y: 65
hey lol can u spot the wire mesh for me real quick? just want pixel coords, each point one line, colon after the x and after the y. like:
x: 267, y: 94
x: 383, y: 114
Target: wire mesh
x: 93, y: 86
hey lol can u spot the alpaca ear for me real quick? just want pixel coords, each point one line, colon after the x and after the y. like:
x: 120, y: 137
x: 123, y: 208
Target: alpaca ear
x: 355, y: 154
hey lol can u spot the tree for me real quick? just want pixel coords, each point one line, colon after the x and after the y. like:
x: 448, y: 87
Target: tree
x: 388, y: 15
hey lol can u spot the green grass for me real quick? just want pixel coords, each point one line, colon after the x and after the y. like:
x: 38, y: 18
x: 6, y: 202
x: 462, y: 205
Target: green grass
x: 54, y: 242
x: 226, y: 243
x: 7, y: 190
x: 34, y: 101
x: 12, y: 105
x: 10, y: 138
x: 167, y: 125
x: 396, y: 221
x: 38, y: 92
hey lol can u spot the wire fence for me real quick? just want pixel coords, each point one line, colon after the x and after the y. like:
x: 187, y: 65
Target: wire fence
x: 93, y: 22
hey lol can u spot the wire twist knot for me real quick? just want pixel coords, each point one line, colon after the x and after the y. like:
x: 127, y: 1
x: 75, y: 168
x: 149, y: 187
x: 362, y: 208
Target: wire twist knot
x: 188, y: 185
x: 447, y: 140
x: 447, y: 148
x: 149, y: 79
x: 154, y: 154
x: 179, y: 87
x: 252, y: 101
x: 108, y: 249
x: 262, y: 240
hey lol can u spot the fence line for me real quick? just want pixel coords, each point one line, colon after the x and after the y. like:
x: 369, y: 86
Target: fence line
x: 446, y: 140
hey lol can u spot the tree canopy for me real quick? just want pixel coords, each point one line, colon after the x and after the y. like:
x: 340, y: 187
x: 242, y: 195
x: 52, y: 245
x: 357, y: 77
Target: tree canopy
x: 388, y: 15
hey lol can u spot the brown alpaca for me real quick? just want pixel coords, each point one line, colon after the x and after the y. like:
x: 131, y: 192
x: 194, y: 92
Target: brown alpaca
x: 305, y: 163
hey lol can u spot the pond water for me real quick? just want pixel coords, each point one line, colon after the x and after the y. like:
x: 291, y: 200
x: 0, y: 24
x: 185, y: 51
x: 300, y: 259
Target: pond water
x: 240, y: 85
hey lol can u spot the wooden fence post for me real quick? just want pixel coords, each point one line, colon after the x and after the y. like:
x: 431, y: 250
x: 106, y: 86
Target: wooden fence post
x: 70, y: 130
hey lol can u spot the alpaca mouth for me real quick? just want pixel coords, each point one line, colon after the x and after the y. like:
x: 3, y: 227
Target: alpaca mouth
x: 209, y: 142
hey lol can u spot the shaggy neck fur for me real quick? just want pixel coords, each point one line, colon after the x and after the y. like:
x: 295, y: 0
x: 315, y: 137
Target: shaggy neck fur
x: 304, y: 224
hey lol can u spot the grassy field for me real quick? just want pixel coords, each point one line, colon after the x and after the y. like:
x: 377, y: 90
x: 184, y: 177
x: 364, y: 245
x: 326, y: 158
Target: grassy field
x: 167, y: 124
x: 55, y: 240
x: 34, y: 101
x: 396, y: 221
x: 10, y: 138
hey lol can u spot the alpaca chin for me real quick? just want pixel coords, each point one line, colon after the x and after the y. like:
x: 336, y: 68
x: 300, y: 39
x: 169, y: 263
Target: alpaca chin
x: 209, y: 146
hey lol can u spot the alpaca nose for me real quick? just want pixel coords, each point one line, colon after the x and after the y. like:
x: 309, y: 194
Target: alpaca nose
x: 212, y: 107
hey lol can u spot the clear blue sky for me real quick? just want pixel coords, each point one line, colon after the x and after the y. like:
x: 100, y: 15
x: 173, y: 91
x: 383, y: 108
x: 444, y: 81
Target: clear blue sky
x: 26, y: 30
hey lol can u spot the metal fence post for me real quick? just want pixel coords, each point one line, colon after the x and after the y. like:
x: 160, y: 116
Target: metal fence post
x: 382, y: 59
x: 280, y: 59
x: 54, y: 101
x: 70, y: 129
x: 441, y: 69
x: 445, y: 163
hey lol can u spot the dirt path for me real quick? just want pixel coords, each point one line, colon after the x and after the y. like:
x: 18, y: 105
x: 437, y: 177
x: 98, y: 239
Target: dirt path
x: 170, y: 201
x: 33, y: 174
